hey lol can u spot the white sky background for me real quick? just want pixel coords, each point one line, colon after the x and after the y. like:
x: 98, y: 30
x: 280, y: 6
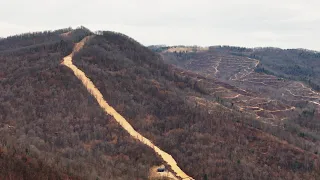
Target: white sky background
x: 248, y: 23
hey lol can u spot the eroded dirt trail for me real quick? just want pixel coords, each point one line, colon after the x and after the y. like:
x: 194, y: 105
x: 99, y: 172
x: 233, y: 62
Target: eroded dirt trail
x: 67, y: 61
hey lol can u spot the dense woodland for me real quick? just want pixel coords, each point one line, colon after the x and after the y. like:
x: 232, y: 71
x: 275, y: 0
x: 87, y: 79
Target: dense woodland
x: 52, y: 128
x: 47, y: 112
x: 152, y: 96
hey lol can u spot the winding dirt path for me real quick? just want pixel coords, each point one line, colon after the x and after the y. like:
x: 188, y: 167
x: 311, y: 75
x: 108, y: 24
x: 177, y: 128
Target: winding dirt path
x: 67, y: 61
x: 247, y: 70
x: 216, y: 70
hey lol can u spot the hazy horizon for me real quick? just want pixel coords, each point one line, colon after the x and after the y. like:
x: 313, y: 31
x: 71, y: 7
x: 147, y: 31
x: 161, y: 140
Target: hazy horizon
x: 248, y: 23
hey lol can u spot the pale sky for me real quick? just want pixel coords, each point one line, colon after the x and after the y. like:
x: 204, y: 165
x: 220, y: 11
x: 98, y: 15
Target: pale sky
x: 248, y: 23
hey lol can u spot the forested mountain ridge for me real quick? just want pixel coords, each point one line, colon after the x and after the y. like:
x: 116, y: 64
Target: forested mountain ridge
x: 48, y: 115
x: 278, y: 95
x: 276, y: 100
x: 162, y: 86
x: 109, y: 110
x: 293, y: 64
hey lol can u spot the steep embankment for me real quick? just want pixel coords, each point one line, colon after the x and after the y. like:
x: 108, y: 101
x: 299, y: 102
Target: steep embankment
x: 67, y: 61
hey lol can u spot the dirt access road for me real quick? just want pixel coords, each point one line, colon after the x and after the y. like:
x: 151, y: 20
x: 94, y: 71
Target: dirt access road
x: 67, y: 61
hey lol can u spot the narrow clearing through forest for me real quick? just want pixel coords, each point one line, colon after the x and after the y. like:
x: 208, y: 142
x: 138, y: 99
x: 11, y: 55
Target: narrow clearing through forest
x: 67, y: 61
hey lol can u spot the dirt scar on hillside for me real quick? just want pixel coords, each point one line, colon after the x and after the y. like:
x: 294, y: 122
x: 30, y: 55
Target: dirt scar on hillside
x: 67, y: 61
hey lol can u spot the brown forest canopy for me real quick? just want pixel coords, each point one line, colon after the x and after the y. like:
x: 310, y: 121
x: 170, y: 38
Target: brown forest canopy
x: 50, y: 123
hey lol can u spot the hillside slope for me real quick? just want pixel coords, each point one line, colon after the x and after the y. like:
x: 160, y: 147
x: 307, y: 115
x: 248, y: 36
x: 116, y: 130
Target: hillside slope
x: 52, y: 115
x: 47, y: 113
x: 167, y: 158
x: 296, y: 64
x: 278, y: 99
x: 293, y: 64
x: 165, y: 104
